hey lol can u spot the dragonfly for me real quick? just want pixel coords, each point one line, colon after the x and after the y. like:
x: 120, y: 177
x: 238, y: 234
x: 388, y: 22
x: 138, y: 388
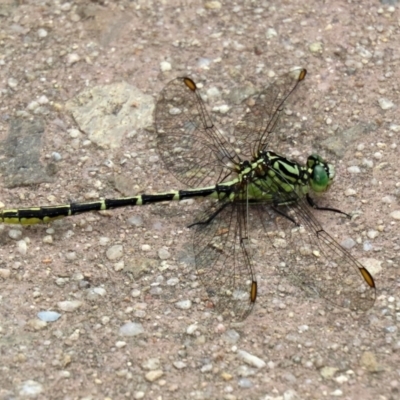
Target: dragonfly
x: 247, y: 185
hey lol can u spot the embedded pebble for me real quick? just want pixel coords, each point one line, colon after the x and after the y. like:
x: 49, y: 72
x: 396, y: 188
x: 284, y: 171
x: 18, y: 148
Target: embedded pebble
x: 223, y: 109
x: 165, y: 66
x: 372, y: 234
x: 72, y: 58
x: 251, y: 359
x: 146, y: 247
x: 48, y: 239
x: 245, y: 383
x: 271, y: 33
x: 136, y: 220
x: 244, y: 370
x: 135, y: 293
x: 172, y: 281
x: 350, y: 192
x: 22, y: 247
x: 69, y: 306
x: 354, y: 169
x: 303, y: 328
x: 213, y: 93
x: 37, y: 324
x: 385, y: 104
x: 226, y: 377
x: 119, y: 266
x: 163, y: 253
x: 42, y: 33
x: 103, y: 241
x: 154, y: 159
x: 368, y: 361
x: 206, y: 368
x: 341, y: 379
x: 33, y: 105
x: 95, y: 293
x: 183, y: 304
x: 154, y: 375
x: 43, y: 100
x: 315, y: 47
x: 14, y: 234
x: 131, y: 329
x: 367, y: 246
x: 48, y: 316
x: 213, y: 5
x: 191, y: 329
x: 30, y: 389
x: 328, y: 372
x: 151, y: 364
x: 348, y: 243
x: 115, y: 252
x: 5, y: 273
x: 368, y: 163
x: 395, y: 214
x: 388, y: 200
x: 12, y: 83
x: 179, y: 364
x: 231, y: 336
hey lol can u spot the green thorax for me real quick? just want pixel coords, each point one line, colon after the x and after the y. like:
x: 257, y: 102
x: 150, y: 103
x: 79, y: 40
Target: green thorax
x: 272, y: 174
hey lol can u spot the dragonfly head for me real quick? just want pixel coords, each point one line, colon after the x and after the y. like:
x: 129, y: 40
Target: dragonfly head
x: 321, y: 173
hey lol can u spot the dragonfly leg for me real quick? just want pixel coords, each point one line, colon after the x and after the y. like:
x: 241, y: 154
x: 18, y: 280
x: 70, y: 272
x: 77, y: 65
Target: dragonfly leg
x: 276, y: 209
x: 210, y: 218
x: 316, y: 207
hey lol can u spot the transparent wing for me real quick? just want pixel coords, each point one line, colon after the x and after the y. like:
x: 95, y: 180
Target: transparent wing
x: 190, y: 145
x: 263, y: 112
x: 223, y: 258
x: 312, y: 259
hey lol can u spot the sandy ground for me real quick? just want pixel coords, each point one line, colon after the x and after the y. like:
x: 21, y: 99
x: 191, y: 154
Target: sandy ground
x: 133, y: 323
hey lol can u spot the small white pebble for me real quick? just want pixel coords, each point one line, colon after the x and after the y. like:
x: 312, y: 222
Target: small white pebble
x: 223, y: 109
x: 42, y: 33
x: 146, y: 247
x: 65, y: 7
x: 183, y: 304
x: 5, y: 273
x: 131, y: 329
x: 14, y: 234
x: 165, y: 66
x: 69, y: 306
x: 395, y: 214
x: 385, y: 104
x: 115, y: 252
x: 152, y: 376
x: 251, y: 359
x: 191, y: 329
x: 72, y: 58
x: 271, y: 33
x: 12, y: 83
x: 354, y: 169
x: 350, y: 192
x: 372, y: 234
x: 164, y: 254
x: 22, y: 247
x: 135, y: 293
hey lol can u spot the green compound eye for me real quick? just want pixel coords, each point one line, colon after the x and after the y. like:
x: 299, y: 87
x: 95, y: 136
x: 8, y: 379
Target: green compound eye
x: 320, y: 179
